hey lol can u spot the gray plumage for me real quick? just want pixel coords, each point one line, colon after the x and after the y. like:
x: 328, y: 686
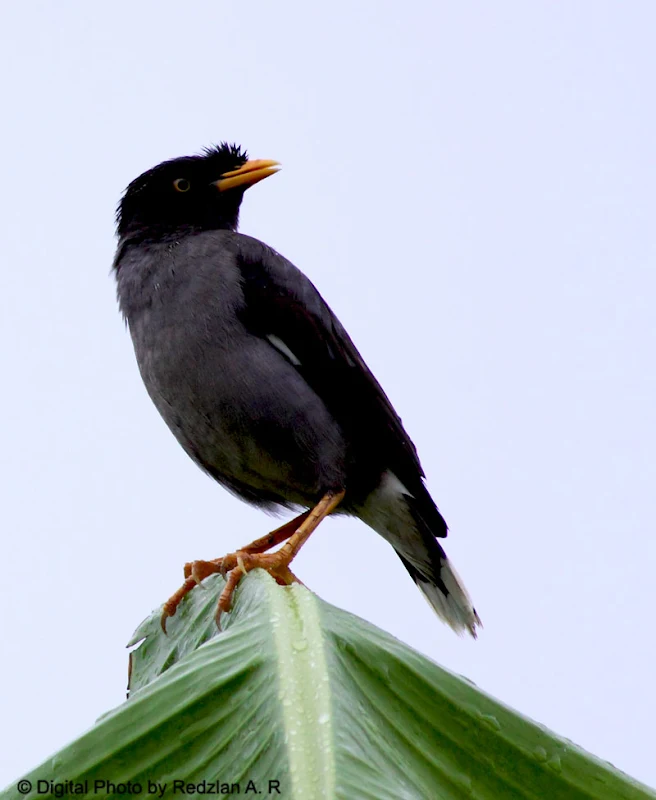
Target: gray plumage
x: 258, y: 380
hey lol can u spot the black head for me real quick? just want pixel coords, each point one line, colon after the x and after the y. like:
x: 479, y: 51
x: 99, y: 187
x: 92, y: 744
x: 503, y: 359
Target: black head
x: 201, y: 192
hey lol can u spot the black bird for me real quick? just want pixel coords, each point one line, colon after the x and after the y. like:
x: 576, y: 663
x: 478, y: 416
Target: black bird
x: 260, y: 383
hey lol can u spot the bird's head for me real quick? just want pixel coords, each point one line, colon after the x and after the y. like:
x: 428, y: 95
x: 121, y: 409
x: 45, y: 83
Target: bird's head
x: 200, y: 192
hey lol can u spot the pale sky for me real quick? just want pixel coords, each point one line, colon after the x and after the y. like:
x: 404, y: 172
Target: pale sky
x: 471, y: 188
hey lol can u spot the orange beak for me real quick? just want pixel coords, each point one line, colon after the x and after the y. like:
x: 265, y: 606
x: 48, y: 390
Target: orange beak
x: 247, y: 175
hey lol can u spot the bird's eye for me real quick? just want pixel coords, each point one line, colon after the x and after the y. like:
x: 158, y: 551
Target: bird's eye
x: 181, y: 185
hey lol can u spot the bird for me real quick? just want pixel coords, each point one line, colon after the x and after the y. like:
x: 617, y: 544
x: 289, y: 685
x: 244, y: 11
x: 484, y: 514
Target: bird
x: 261, y: 384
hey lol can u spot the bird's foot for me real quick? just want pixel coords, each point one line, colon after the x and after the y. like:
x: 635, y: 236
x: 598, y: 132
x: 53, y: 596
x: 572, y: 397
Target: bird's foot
x: 276, y: 564
x: 232, y: 567
x: 235, y: 565
x: 196, y: 571
x: 241, y: 563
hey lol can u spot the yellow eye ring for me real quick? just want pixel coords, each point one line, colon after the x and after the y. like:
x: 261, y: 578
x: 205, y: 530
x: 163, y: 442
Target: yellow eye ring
x: 181, y: 185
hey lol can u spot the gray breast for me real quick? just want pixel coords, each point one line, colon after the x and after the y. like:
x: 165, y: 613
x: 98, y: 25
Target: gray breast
x: 235, y: 402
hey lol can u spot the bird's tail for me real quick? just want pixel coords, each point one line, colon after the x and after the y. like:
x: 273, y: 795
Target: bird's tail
x: 410, y: 524
x: 446, y: 594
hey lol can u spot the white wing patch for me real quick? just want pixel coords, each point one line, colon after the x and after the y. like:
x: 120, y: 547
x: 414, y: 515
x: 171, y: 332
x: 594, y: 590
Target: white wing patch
x: 278, y: 343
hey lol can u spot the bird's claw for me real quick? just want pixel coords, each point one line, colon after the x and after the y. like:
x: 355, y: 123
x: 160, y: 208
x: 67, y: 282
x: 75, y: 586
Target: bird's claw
x: 234, y: 566
x: 195, y: 572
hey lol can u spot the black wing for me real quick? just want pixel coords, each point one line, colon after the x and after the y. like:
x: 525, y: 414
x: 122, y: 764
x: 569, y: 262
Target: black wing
x: 281, y: 302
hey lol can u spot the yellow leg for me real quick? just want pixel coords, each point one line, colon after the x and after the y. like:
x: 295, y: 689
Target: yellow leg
x: 235, y: 565
x: 276, y: 564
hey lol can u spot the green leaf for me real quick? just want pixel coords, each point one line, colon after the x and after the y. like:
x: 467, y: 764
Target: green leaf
x: 321, y: 704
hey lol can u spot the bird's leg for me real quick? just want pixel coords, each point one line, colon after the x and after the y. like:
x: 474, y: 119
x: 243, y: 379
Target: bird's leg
x: 276, y: 564
x: 196, y: 571
x: 278, y: 536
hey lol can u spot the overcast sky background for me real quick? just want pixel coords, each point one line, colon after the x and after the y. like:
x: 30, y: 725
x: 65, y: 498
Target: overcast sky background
x: 472, y: 188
